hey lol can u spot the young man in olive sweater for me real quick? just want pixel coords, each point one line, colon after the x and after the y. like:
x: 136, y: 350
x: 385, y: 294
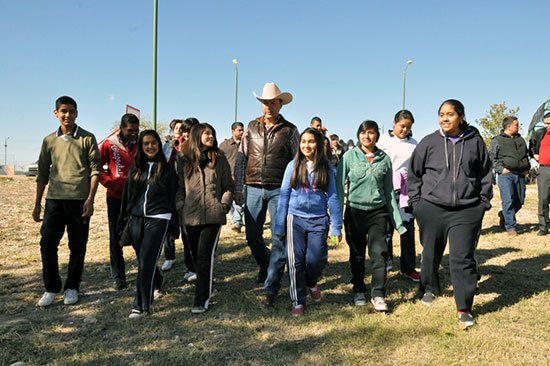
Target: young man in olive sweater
x: 69, y: 161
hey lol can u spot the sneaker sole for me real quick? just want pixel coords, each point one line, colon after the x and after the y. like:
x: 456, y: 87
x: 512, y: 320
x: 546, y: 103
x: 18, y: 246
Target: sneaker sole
x: 465, y: 326
x: 198, y: 311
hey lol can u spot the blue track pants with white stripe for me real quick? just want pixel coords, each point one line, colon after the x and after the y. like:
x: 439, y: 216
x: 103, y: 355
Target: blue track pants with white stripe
x: 306, y: 243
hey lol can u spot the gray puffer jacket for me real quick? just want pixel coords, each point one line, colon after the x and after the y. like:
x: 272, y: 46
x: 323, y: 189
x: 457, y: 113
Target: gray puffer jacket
x: 206, y: 195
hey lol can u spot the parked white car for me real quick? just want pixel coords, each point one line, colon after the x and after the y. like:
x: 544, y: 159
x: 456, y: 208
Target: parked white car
x: 32, y: 170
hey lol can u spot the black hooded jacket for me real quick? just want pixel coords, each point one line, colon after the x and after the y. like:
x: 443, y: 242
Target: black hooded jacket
x: 451, y: 174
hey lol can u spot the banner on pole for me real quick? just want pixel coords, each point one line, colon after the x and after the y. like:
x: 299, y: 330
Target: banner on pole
x: 132, y: 110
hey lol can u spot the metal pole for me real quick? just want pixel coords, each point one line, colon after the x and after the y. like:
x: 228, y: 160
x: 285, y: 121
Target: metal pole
x: 155, y: 28
x: 236, y: 85
x: 404, y: 73
x: 6, y: 152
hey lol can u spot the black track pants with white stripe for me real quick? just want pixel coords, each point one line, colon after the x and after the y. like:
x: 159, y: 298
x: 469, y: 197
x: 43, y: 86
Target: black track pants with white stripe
x: 203, y: 241
x: 147, y: 237
x: 307, y: 251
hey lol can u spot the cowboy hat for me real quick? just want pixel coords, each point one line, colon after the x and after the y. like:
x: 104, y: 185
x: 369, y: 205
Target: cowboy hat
x: 271, y: 91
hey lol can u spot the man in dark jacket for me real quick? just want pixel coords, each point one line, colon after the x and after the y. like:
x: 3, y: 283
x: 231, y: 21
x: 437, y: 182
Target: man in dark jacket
x: 539, y: 146
x: 508, y: 151
x: 268, y: 144
x: 230, y: 148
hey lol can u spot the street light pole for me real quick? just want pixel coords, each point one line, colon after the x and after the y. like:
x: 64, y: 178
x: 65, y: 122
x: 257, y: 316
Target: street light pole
x: 404, y: 73
x: 6, y: 151
x: 155, y: 28
x: 236, y: 85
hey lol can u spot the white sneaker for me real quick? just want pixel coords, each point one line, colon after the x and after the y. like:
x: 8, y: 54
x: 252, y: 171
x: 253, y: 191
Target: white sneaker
x: 46, y: 299
x: 187, y: 275
x: 359, y: 299
x: 167, y: 265
x: 379, y: 303
x: 71, y: 297
x: 135, y: 314
x: 192, y: 277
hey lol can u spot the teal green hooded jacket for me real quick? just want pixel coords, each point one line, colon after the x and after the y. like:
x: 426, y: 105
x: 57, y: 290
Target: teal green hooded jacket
x: 370, y: 185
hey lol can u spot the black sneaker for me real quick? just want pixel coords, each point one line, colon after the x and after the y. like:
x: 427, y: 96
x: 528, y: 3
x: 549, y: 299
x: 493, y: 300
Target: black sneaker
x: 270, y: 300
x: 119, y: 284
x: 501, y: 221
x: 262, y: 275
x: 466, y: 320
x: 542, y: 232
x: 428, y: 299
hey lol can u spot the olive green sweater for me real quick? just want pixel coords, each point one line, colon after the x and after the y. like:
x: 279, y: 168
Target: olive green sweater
x: 370, y: 185
x: 67, y: 163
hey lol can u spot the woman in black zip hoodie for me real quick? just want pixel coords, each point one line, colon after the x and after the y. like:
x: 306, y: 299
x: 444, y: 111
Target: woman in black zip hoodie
x: 449, y: 185
x: 149, y: 202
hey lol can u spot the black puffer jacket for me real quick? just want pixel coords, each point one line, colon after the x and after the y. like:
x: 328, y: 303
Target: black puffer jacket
x: 450, y: 174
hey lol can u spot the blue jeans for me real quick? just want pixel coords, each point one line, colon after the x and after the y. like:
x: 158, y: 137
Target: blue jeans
x: 260, y: 199
x: 512, y: 194
x: 236, y: 213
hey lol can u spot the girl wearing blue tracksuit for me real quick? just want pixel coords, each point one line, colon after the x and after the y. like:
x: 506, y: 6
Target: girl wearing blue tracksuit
x: 308, y: 187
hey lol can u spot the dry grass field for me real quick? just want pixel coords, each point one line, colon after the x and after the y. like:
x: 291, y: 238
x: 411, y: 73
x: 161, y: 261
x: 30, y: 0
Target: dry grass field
x: 512, y: 308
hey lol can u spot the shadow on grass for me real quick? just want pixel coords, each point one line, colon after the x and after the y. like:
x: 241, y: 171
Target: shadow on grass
x: 237, y: 329
x: 519, y: 279
x: 521, y: 229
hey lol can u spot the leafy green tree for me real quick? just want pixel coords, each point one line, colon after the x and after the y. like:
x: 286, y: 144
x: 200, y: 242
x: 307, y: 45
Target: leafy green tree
x: 491, y: 124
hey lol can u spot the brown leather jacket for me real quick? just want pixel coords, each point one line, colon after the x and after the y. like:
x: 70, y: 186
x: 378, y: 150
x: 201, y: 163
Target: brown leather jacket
x: 268, y: 155
x: 202, y: 196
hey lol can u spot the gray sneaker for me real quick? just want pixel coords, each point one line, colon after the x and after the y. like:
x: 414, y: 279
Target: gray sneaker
x: 428, y: 299
x: 466, y: 320
x: 198, y: 309
x: 360, y: 299
x: 379, y: 303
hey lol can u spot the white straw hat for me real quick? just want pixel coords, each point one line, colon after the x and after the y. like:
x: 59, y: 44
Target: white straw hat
x: 271, y: 91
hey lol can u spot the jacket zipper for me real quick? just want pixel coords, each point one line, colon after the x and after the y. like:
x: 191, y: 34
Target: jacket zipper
x: 264, y: 158
x: 454, y: 176
x: 203, y: 193
x: 147, y: 191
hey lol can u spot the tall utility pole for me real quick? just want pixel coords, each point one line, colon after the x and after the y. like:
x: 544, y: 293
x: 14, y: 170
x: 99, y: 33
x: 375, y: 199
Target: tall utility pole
x: 404, y: 72
x: 155, y: 28
x: 6, y: 151
x: 236, y: 85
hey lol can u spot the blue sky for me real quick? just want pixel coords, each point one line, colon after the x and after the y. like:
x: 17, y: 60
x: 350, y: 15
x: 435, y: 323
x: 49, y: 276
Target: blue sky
x: 342, y: 61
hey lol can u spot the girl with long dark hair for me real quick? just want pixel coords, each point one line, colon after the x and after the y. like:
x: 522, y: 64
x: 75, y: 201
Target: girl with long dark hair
x: 204, y: 198
x: 149, y: 203
x: 308, y: 187
x: 449, y: 185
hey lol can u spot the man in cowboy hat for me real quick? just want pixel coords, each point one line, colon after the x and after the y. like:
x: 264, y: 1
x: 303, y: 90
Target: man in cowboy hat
x: 268, y: 144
